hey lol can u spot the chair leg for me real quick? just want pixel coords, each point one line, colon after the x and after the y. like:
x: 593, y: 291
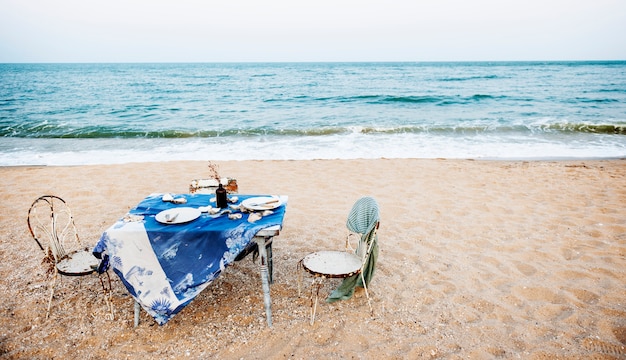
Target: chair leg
x: 317, y: 283
x: 54, y: 279
x: 299, y: 278
x: 107, y: 295
x: 367, y: 294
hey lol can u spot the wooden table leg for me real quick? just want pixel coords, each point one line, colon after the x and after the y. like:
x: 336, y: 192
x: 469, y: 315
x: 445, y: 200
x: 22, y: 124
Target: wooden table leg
x: 270, y: 261
x: 267, y: 300
x: 137, y: 309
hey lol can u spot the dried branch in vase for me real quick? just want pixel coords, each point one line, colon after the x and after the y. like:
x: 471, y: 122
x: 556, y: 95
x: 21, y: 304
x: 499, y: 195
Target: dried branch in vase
x: 214, y: 171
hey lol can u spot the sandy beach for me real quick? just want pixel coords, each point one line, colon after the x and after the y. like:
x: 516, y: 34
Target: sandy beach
x: 478, y: 260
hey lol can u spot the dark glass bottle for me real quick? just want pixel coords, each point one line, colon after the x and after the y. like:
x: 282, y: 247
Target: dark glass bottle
x: 221, y: 198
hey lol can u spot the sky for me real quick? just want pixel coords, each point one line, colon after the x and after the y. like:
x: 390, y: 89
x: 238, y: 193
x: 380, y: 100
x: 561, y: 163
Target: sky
x: 310, y: 30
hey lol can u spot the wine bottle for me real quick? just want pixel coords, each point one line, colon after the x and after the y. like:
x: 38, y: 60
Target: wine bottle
x: 221, y: 198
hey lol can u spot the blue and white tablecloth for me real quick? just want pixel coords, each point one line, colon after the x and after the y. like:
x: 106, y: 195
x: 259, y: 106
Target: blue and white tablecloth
x: 165, y: 266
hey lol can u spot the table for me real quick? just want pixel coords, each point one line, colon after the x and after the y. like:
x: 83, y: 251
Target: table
x: 165, y: 266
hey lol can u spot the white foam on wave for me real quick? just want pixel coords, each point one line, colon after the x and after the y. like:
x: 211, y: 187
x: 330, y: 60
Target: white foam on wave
x: 346, y: 146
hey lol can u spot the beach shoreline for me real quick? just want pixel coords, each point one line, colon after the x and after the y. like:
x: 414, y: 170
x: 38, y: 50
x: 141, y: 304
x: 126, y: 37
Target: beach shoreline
x: 562, y: 159
x: 479, y: 258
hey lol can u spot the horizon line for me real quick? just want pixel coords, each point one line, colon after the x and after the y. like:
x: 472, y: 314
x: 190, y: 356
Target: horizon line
x: 322, y: 62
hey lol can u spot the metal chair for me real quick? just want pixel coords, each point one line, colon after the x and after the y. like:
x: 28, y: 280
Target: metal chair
x: 355, y: 267
x: 51, y: 224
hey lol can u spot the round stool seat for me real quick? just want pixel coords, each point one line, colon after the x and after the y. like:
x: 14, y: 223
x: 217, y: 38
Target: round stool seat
x: 332, y: 264
x: 78, y: 263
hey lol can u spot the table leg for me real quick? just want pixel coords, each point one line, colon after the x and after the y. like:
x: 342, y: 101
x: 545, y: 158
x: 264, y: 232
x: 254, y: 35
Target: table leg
x: 270, y: 262
x: 265, y: 279
x: 137, y: 309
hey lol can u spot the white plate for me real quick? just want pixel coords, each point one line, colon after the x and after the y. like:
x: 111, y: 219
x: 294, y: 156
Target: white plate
x: 262, y: 203
x: 177, y: 215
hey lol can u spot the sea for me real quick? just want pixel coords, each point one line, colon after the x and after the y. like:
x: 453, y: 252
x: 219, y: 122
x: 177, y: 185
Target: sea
x: 110, y: 113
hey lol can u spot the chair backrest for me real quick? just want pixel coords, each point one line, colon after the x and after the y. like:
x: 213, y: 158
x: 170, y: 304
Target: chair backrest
x: 51, y: 224
x: 363, y: 219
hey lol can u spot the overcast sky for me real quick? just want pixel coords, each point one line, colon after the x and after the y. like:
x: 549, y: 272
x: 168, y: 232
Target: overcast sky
x: 305, y: 30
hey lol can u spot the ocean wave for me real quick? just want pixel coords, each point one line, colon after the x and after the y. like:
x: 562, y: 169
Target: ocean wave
x: 50, y: 131
x: 95, y: 132
x: 382, y: 99
x: 521, y: 129
x: 408, y: 99
x: 469, y: 78
x: 438, y: 100
x: 587, y: 128
x: 594, y: 101
x: 612, y: 90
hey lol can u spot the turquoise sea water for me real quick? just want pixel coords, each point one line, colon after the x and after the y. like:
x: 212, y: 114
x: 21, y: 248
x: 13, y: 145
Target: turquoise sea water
x: 67, y: 114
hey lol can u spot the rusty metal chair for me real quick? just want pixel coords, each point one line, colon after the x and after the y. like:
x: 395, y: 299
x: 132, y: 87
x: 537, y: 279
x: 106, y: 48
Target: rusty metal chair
x: 356, y: 268
x: 51, y: 225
